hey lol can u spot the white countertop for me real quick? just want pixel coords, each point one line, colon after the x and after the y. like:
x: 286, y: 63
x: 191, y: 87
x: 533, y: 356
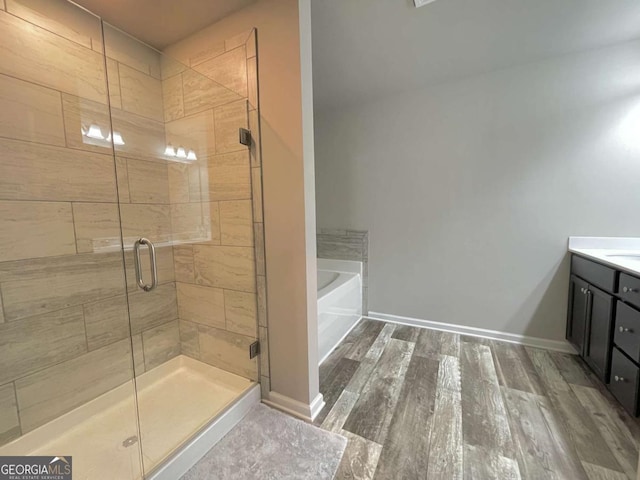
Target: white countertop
x: 621, y: 253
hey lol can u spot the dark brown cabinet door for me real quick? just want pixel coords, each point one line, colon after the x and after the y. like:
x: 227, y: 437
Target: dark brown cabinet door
x: 577, y: 314
x: 624, y: 381
x: 597, y: 348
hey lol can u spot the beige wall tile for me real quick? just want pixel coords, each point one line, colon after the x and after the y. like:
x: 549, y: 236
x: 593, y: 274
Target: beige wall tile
x: 62, y: 18
x: 138, y: 354
x: 241, y: 312
x: 189, y: 342
x: 183, y: 259
x: 265, y: 385
x: 229, y: 119
x: 173, y: 98
x: 141, y: 93
x: 256, y: 148
x: 164, y: 262
x: 251, y: 44
x: 122, y: 176
x: 72, y: 383
x: 28, y: 51
x: 236, y: 223
x: 35, y: 229
x: 152, y: 221
x: 196, y: 222
x: 130, y: 52
x: 208, y: 52
x: 211, y: 211
x: 30, y: 112
x: 204, y: 305
x: 106, y: 321
x: 170, y: 67
x: 225, y: 267
x: 148, y: 181
x: 97, y: 227
x: 144, y: 138
x: 198, y: 181
x: 228, y: 350
x: 178, y: 182
x: 228, y: 69
x: 151, y: 309
x: 229, y: 177
x: 9, y: 422
x: 258, y: 236
x: 261, y: 283
x: 79, y: 114
x: 113, y: 76
x: 38, y: 172
x: 33, y: 343
x: 160, y: 344
x: 256, y: 184
x: 195, y: 132
x: 263, y: 360
x: 252, y: 82
x: 35, y: 286
x: 236, y: 41
x: 202, y: 93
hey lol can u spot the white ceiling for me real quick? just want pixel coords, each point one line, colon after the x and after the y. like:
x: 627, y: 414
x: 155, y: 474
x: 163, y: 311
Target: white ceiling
x: 160, y: 23
x: 368, y: 48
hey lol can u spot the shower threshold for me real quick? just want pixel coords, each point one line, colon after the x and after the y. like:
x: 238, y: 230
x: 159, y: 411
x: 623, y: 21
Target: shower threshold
x: 176, y: 401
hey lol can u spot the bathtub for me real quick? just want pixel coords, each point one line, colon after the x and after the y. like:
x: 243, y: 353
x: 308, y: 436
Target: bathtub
x: 339, y: 302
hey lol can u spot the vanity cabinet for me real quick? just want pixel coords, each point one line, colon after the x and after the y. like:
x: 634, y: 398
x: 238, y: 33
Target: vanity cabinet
x: 624, y: 381
x: 577, y: 318
x: 589, y: 326
x: 603, y: 324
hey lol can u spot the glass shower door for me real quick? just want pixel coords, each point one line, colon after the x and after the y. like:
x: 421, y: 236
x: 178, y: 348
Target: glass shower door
x: 66, y: 356
x: 184, y: 183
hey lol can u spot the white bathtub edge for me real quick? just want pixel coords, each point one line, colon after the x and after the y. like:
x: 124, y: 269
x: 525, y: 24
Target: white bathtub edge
x: 340, y: 341
x: 190, y: 454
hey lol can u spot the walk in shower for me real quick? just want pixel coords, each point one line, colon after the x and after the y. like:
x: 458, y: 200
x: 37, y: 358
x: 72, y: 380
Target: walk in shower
x: 128, y: 298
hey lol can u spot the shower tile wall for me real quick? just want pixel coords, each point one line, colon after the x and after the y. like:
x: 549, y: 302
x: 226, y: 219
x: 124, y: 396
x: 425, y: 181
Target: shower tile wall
x: 215, y: 263
x: 63, y: 311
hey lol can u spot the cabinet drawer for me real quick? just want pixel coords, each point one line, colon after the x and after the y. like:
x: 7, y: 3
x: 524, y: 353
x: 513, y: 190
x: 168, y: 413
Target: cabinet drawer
x: 594, y: 273
x: 629, y: 289
x: 627, y: 330
x: 624, y: 381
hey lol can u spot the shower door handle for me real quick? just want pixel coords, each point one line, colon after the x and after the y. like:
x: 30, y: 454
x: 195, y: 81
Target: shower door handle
x: 138, y: 264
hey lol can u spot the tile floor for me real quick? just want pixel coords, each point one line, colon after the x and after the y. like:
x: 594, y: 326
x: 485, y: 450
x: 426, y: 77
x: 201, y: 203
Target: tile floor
x: 423, y: 404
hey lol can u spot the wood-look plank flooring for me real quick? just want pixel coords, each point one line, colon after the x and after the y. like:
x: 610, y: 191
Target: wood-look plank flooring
x: 423, y: 404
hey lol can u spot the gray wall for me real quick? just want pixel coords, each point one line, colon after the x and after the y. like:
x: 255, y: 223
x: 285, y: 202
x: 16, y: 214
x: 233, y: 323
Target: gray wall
x: 469, y: 189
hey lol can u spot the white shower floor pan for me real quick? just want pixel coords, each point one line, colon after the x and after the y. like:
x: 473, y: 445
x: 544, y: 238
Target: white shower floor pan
x: 175, y: 401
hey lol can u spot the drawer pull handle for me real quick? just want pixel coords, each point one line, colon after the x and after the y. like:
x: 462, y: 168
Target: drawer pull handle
x: 619, y: 379
x: 625, y: 329
x: 628, y: 289
x: 584, y: 290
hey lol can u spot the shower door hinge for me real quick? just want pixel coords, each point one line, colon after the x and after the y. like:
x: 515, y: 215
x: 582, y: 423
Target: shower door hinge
x: 254, y: 349
x: 245, y: 137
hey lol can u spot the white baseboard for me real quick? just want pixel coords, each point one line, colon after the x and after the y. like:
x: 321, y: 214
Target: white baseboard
x: 181, y: 462
x: 294, y: 407
x: 559, y: 346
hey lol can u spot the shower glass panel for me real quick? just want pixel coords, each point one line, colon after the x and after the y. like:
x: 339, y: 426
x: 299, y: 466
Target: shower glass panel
x: 66, y: 364
x: 184, y: 184
x: 128, y: 208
